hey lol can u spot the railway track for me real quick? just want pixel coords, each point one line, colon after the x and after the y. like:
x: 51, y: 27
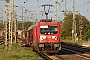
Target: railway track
x: 54, y: 57
x: 76, y: 47
x: 43, y: 55
x: 64, y: 57
x: 68, y: 52
x: 48, y: 56
x: 77, y: 51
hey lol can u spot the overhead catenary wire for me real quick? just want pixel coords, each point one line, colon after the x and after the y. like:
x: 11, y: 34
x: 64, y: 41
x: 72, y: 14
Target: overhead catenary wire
x: 83, y: 4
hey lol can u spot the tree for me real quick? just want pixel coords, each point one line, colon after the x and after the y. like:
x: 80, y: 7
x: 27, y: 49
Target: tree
x: 87, y: 34
x: 26, y: 25
x: 67, y: 25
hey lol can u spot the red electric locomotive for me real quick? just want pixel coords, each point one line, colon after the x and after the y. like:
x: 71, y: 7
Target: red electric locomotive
x: 45, y: 36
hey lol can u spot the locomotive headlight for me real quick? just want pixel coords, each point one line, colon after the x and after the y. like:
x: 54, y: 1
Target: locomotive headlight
x: 42, y: 37
x: 55, y: 37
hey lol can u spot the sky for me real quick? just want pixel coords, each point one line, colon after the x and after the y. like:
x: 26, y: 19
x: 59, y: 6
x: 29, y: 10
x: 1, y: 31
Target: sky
x: 34, y: 8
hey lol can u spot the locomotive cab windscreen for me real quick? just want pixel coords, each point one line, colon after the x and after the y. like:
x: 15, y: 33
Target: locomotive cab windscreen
x: 48, y: 29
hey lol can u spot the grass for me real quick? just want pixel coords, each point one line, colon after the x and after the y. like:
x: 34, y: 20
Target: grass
x: 18, y: 53
x: 75, y: 42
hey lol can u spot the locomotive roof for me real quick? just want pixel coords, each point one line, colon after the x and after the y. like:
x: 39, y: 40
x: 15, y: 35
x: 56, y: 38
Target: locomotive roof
x: 46, y: 20
x: 42, y: 22
x: 31, y: 27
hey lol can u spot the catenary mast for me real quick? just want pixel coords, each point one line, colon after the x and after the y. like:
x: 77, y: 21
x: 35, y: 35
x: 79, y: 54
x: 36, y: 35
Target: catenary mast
x: 7, y: 25
x: 57, y: 10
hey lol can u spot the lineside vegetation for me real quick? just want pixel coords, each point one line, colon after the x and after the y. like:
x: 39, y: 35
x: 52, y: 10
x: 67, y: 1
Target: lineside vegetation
x: 18, y: 53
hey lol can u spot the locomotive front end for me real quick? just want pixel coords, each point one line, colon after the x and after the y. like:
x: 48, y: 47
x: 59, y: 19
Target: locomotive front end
x: 49, y: 38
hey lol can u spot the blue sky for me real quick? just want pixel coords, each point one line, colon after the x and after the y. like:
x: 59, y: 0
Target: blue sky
x: 82, y: 6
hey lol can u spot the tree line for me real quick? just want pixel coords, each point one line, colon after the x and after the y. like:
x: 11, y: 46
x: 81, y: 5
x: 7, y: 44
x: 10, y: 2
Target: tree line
x: 82, y: 24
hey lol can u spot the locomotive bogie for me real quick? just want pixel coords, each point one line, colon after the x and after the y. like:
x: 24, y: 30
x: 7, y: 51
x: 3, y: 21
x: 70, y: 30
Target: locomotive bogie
x: 49, y: 47
x: 41, y: 45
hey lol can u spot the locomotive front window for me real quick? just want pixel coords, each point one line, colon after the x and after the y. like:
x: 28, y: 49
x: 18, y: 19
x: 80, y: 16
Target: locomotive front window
x: 49, y: 29
x: 44, y: 29
x: 53, y: 29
